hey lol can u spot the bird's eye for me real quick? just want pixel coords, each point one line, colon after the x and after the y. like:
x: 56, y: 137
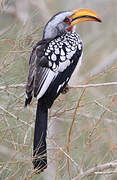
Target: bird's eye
x: 67, y: 20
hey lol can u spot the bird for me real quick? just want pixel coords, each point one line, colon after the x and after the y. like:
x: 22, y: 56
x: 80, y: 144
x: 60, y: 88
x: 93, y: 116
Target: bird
x: 52, y: 62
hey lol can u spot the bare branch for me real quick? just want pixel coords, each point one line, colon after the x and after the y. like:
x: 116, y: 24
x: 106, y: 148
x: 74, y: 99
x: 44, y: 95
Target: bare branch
x: 12, y: 86
x: 106, y: 173
x: 95, y: 85
x: 92, y: 171
x: 78, y: 86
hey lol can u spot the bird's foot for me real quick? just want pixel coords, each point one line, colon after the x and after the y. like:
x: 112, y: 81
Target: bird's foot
x: 65, y: 90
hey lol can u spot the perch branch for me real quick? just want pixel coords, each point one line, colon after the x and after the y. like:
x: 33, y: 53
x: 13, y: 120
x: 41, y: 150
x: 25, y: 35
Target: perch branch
x: 71, y: 86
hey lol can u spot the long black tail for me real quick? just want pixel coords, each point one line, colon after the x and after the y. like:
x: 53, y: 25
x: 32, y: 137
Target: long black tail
x: 39, y: 147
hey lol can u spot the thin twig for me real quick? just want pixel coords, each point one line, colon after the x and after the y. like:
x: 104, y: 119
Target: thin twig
x: 14, y: 116
x: 102, y: 106
x: 71, y: 126
x: 67, y: 155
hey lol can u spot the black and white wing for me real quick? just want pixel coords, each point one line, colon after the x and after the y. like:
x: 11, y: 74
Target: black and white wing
x: 51, y: 66
x: 38, y: 70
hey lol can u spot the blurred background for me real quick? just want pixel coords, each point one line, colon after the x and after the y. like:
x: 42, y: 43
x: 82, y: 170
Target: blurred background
x: 92, y: 140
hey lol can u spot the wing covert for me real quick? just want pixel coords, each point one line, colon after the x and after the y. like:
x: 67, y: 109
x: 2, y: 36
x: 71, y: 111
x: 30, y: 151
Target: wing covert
x: 38, y: 69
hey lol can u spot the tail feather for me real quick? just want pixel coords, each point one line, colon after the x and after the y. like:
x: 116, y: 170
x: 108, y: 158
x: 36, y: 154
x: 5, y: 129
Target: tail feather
x: 28, y: 101
x: 28, y: 98
x: 39, y: 146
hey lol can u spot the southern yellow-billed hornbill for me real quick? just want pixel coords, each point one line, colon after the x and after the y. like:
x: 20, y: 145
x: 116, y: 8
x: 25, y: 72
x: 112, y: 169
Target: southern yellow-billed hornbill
x: 52, y: 62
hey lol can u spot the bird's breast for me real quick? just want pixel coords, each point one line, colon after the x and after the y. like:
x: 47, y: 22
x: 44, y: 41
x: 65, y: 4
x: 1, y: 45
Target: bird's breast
x: 61, y: 50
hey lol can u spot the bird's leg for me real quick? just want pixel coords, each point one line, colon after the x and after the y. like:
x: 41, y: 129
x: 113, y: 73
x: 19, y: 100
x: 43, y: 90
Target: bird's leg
x: 66, y: 89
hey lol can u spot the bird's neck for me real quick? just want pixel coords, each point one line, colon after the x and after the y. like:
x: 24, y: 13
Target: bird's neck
x: 51, y: 32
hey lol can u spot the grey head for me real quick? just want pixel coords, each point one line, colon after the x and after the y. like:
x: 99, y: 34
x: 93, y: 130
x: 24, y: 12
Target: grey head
x: 57, y: 25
